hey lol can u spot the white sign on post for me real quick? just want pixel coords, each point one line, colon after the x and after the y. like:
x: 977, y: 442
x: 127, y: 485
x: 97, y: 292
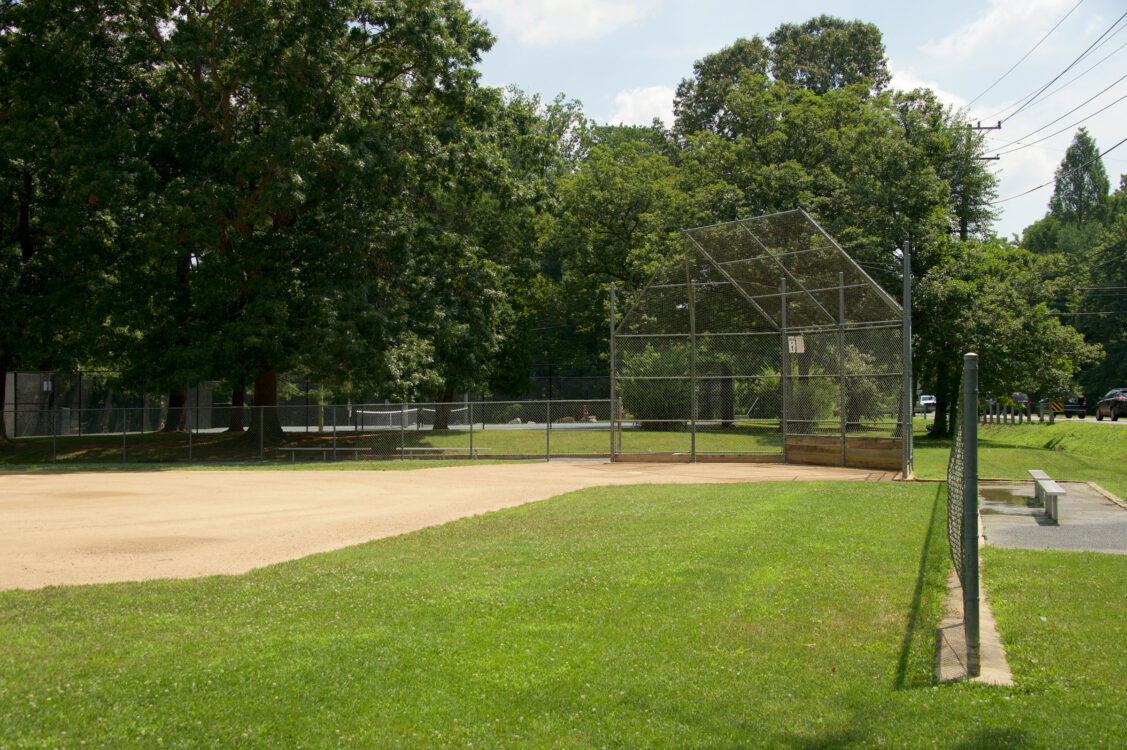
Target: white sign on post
x: 796, y: 344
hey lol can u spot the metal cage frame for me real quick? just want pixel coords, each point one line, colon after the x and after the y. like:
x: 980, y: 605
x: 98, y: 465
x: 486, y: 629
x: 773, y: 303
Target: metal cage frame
x: 768, y: 311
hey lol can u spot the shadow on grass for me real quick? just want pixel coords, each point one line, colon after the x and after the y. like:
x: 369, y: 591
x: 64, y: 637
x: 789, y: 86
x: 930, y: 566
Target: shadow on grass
x: 920, y: 624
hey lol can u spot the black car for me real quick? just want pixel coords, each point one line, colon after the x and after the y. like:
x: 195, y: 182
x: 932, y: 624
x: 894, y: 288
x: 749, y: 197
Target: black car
x: 1077, y: 406
x: 1114, y: 404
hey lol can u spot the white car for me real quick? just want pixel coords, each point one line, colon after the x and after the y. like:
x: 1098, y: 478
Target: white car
x: 926, y: 404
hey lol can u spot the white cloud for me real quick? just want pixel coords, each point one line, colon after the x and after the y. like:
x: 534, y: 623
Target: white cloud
x: 542, y: 22
x: 906, y: 81
x: 640, y: 106
x: 1005, y: 24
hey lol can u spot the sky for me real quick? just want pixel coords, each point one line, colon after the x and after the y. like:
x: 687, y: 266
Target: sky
x: 623, y: 60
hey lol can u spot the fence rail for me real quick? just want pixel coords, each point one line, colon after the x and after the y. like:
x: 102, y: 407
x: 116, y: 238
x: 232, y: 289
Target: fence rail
x: 479, y: 429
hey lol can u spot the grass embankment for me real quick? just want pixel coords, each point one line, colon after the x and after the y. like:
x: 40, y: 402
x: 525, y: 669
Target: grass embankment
x: 732, y: 616
x: 1067, y: 450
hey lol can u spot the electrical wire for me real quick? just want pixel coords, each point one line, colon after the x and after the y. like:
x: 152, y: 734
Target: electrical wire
x: 1027, y: 54
x: 1072, y: 80
x: 1050, y: 182
x: 1083, y: 54
x: 1029, y: 99
x: 1065, y: 129
x: 1086, y: 71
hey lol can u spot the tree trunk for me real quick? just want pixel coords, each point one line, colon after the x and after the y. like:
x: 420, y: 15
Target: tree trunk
x: 442, y: 410
x: 177, y: 418
x: 265, y: 414
x: 236, y: 422
x: 5, y: 363
x: 942, y: 398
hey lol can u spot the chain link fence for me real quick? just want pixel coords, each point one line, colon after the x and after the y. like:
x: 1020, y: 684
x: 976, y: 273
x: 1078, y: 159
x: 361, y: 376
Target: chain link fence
x: 297, y: 432
x: 962, y: 507
x: 762, y: 339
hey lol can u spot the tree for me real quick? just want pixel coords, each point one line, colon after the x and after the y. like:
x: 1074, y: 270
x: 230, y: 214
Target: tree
x: 1081, y: 182
x: 295, y: 138
x: 993, y: 298
x: 64, y: 135
x: 701, y: 101
x: 827, y: 53
x: 618, y: 217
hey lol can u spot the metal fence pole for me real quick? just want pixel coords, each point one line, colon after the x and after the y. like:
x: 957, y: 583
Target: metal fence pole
x: 54, y: 436
x: 784, y: 370
x: 262, y: 433
x: 906, y: 432
x: 469, y: 416
x: 189, y: 442
x: 403, y: 430
x: 692, y: 369
x: 970, y: 513
x: 548, y: 431
x: 124, y: 417
x: 841, y: 353
x: 613, y: 363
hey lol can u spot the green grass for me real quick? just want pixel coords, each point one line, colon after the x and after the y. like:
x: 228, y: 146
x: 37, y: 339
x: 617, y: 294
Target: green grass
x: 1068, y: 450
x: 695, y: 616
x: 224, y: 447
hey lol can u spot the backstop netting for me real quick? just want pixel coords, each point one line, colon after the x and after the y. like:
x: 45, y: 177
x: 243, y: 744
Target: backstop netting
x: 762, y: 338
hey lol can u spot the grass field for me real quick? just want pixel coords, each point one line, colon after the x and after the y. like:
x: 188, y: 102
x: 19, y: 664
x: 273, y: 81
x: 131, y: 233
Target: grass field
x: 1084, y: 451
x: 695, y: 616
x: 173, y: 447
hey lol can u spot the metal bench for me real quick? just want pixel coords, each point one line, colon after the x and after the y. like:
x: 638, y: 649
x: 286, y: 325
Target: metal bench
x: 1048, y: 493
x: 435, y: 449
x: 324, y: 452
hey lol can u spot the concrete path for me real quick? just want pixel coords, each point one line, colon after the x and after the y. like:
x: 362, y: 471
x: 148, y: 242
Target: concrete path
x: 1089, y: 520
x: 100, y: 527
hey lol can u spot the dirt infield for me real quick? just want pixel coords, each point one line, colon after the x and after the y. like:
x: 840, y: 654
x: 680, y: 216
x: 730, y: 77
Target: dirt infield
x: 79, y: 528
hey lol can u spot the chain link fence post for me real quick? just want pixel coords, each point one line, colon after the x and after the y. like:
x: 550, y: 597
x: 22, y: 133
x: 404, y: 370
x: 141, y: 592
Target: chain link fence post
x: 55, y: 437
x: 784, y: 371
x: 841, y: 356
x: 692, y: 367
x: 190, y: 441
x: 970, y: 513
x: 613, y: 367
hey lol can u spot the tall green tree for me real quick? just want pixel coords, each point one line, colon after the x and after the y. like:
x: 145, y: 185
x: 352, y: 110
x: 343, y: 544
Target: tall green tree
x: 1081, y: 182
x: 297, y: 137
x: 994, y: 299
x: 827, y: 53
x: 65, y: 176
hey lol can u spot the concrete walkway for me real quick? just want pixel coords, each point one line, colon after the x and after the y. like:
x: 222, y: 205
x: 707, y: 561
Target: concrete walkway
x: 1090, y: 521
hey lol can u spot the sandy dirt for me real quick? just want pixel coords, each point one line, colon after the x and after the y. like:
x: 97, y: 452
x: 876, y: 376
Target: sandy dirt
x: 102, y: 527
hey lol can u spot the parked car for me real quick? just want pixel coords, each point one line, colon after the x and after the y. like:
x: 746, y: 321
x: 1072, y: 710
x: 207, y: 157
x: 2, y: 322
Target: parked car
x: 1113, y: 404
x: 1021, y: 401
x: 926, y: 404
x: 1076, y: 406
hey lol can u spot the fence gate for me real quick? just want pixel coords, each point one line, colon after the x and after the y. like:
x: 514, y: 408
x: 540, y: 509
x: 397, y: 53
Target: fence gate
x: 761, y: 340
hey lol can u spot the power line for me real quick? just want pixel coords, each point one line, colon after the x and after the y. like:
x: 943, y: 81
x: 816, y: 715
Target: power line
x: 1062, y: 130
x: 1085, y: 72
x: 1083, y: 54
x: 1027, y: 54
x: 1050, y: 182
x: 1028, y: 100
